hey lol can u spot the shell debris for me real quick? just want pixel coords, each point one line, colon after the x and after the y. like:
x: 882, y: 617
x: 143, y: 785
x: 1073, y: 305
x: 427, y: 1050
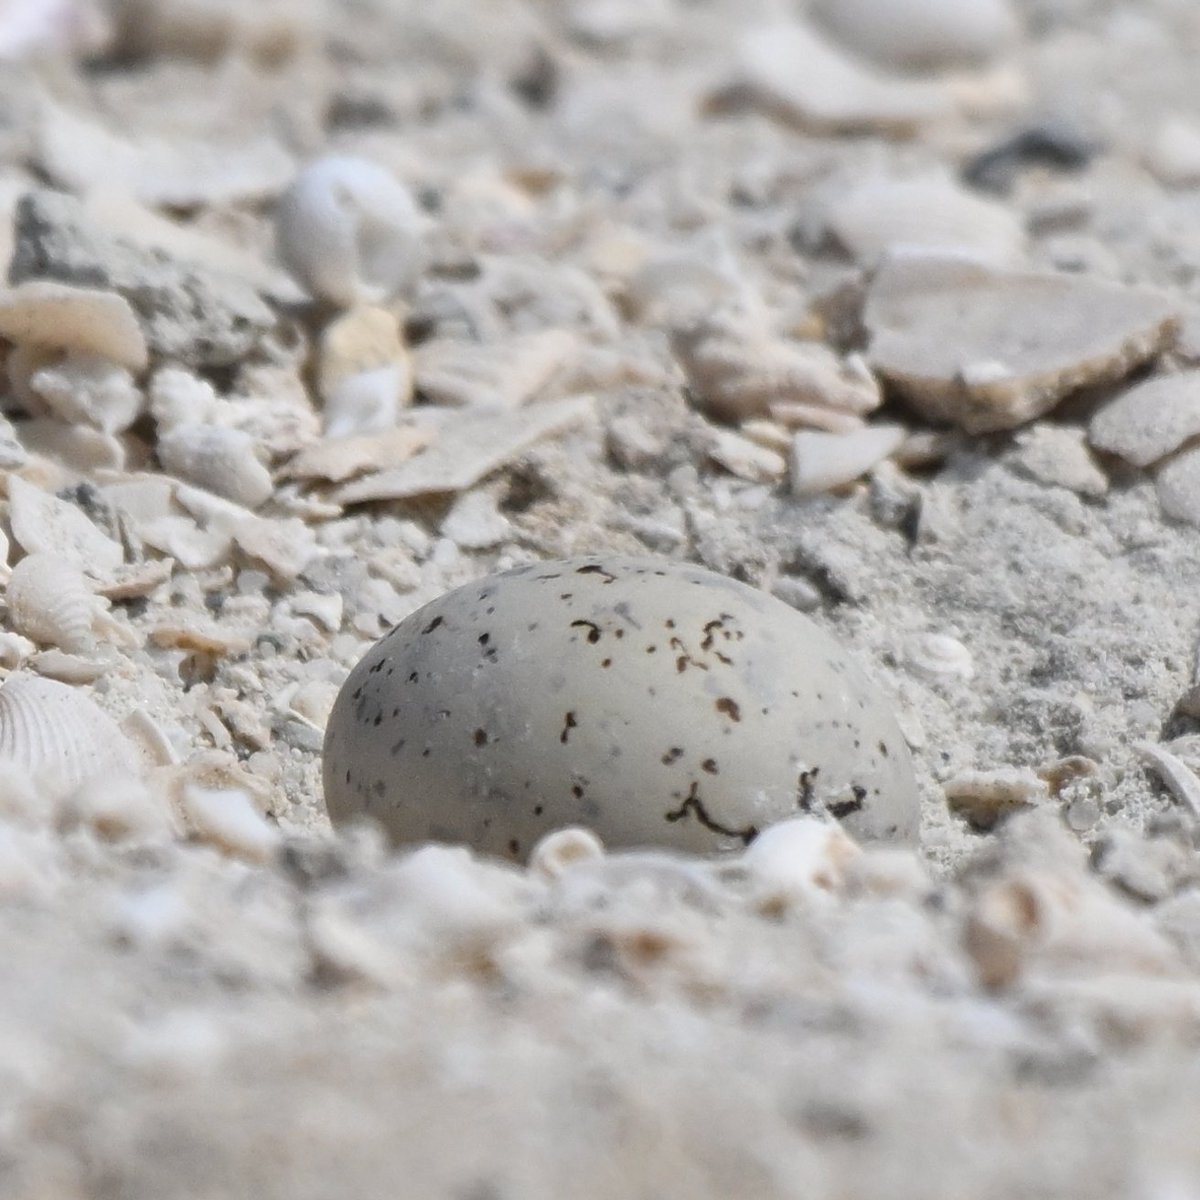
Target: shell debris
x: 986, y: 349
x: 42, y: 523
x: 735, y: 370
x: 503, y: 376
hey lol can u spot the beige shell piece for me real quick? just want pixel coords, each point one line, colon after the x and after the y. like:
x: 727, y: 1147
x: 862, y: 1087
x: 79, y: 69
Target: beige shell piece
x: 336, y: 459
x: 504, y: 375
x: 794, y: 72
x: 983, y: 797
x: 823, y: 461
x: 42, y: 522
x: 987, y: 349
x: 46, y: 313
x: 1149, y: 420
x: 933, y: 212
x: 736, y: 369
x: 350, y: 231
x: 361, y: 339
x: 60, y: 734
x: 467, y: 450
x: 52, y: 602
x: 921, y: 35
x: 221, y: 460
x: 364, y: 374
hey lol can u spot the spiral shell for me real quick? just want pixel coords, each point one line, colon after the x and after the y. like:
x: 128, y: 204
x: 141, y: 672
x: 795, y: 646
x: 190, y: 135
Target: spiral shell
x: 59, y: 735
x: 350, y: 231
x: 51, y: 602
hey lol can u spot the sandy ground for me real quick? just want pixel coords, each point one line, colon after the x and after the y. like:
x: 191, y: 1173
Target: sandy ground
x: 207, y: 993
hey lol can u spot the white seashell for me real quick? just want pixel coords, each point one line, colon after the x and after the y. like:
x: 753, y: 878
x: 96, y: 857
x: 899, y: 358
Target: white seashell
x: 52, y: 602
x: 42, y: 522
x: 744, y: 458
x: 342, y: 458
x: 736, y: 369
x: 921, y: 34
x: 794, y: 72
x: 986, y: 349
x: 88, y: 388
x: 932, y: 212
x: 44, y: 312
x: 823, y: 461
x: 936, y: 656
x: 1150, y: 419
x: 559, y: 851
x: 800, y: 859
x: 350, y: 231
x: 218, y: 459
x: 226, y: 818
x: 178, y: 397
x: 1177, y: 483
x: 1174, y: 152
x: 368, y: 402
x: 60, y: 735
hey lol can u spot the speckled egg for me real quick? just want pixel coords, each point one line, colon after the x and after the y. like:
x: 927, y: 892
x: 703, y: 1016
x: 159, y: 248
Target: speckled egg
x: 655, y: 702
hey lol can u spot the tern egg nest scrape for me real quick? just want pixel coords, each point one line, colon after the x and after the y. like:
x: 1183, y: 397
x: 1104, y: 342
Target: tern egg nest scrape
x: 654, y: 702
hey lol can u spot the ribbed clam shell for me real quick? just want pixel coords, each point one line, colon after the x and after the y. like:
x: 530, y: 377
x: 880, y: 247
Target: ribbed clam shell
x: 52, y: 603
x: 59, y: 734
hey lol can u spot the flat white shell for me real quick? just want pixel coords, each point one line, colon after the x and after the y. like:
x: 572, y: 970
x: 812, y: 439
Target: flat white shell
x: 650, y: 701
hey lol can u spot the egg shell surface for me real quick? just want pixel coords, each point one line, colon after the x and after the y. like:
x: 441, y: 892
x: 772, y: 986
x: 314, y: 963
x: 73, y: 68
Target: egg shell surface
x: 654, y: 702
